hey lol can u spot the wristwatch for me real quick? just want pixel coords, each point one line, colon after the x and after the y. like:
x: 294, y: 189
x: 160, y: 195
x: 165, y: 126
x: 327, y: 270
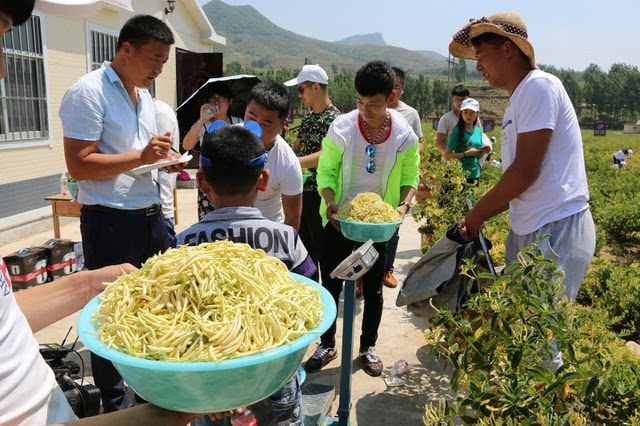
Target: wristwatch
x: 404, y: 203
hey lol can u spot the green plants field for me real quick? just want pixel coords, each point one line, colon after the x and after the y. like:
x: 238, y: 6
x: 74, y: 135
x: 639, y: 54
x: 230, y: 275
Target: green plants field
x: 497, y: 348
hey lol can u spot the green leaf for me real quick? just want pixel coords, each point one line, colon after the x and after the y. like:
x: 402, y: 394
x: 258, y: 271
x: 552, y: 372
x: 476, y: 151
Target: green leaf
x: 591, y: 386
x: 516, y: 358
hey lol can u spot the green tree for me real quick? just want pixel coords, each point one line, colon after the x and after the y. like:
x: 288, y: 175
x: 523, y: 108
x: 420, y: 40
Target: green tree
x: 440, y: 96
x: 460, y: 70
x: 595, y: 81
x: 233, y: 68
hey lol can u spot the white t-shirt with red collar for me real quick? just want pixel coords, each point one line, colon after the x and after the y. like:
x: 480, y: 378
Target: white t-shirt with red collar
x: 29, y: 394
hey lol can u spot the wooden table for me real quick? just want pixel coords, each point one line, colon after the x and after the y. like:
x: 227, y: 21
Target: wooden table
x: 62, y: 206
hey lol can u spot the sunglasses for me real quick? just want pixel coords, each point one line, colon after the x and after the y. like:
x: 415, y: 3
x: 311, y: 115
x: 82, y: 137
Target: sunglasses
x: 370, y: 150
x: 303, y: 88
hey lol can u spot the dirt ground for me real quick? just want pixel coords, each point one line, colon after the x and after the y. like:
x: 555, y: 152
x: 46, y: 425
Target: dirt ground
x: 400, y: 337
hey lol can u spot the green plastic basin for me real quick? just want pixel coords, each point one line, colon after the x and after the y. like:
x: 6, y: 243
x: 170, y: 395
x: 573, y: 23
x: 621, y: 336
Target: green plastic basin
x: 362, y: 232
x: 208, y: 387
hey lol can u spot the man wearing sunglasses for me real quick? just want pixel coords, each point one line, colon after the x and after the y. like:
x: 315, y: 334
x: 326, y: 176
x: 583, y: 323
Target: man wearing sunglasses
x: 372, y: 149
x: 312, y: 88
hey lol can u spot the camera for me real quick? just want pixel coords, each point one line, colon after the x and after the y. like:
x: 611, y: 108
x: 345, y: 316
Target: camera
x: 84, y: 399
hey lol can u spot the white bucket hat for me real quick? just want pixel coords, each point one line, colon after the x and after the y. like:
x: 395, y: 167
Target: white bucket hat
x: 310, y: 73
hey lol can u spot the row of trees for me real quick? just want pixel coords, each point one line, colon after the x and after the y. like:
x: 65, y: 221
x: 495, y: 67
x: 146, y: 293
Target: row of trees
x: 428, y: 97
x: 612, y: 96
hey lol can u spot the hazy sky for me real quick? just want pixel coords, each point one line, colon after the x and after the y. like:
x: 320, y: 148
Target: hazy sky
x: 564, y: 33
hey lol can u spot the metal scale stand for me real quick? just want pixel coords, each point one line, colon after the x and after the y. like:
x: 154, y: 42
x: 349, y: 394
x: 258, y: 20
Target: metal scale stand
x: 352, y: 268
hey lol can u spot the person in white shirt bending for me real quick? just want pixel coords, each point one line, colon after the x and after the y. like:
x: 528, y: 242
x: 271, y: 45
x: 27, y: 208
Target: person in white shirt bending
x: 620, y: 158
x: 282, y: 201
x: 544, y: 184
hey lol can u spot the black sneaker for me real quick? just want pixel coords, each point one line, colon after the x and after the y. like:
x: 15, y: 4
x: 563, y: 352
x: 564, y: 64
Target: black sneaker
x: 371, y: 363
x: 321, y: 357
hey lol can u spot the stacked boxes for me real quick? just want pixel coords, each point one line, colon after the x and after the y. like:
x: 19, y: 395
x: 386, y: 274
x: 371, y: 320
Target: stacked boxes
x: 27, y: 267
x: 47, y: 262
x: 61, y: 258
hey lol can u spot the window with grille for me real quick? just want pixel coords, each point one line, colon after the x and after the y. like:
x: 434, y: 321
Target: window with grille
x: 103, y: 48
x: 23, y: 94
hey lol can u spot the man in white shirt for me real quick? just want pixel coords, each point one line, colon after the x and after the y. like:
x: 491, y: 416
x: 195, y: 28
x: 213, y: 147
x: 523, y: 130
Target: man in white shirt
x: 449, y: 121
x: 544, y: 184
x: 282, y: 201
x: 29, y: 394
x: 413, y: 118
x: 167, y: 123
x: 109, y: 125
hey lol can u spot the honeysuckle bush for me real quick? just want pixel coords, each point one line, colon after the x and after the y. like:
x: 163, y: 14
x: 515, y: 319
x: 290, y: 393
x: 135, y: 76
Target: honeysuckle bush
x: 447, y: 203
x: 499, y: 347
x: 615, y: 193
x: 616, y: 289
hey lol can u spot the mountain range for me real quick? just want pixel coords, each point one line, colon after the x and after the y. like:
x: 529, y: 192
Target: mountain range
x: 253, y: 40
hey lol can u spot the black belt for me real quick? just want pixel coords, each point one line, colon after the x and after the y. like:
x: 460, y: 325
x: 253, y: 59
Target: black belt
x: 149, y: 211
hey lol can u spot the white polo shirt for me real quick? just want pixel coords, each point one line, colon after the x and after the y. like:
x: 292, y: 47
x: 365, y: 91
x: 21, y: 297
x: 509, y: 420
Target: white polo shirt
x: 97, y: 108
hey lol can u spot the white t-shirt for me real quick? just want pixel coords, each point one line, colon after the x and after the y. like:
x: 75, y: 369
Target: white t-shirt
x: 166, y: 121
x: 203, y: 129
x: 361, y: 180
x: 619, y: 155
x: 285, y: 178
x: 29, y: 394
x: 449, y: 121
x: 412, y: 117
x: 541, y: 102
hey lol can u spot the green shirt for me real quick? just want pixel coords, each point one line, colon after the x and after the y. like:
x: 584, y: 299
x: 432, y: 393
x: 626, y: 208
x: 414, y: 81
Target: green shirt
x: 469, y: 140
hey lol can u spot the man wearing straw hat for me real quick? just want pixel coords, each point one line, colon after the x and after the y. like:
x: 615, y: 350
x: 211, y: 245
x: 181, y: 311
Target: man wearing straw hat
x: 544, y: 184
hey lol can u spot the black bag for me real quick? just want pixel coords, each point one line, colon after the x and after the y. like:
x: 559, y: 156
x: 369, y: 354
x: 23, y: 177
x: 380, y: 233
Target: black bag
x: 435, y: 277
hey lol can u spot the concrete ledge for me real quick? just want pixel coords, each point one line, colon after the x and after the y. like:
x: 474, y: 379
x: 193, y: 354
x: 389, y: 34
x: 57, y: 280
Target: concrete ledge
x: 188, y: 184
x: 25, y: 230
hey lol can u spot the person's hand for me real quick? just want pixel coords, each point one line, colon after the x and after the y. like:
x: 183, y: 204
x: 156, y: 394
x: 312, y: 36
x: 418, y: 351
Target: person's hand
x: 222, y: 415
x: 98, y: 278
x: 403, y: 210
x: 331, y: 210
x: 157, y: 149
x: 470, y: 225
x: 486, y: 149
x: 175, y: 168
x: 205, y: 113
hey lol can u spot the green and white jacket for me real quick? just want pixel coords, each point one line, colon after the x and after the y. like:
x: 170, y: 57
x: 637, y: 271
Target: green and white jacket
x: 337, y: 157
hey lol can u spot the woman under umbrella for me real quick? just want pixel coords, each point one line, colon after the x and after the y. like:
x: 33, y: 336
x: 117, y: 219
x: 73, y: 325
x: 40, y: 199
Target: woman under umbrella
x: 218, y: 99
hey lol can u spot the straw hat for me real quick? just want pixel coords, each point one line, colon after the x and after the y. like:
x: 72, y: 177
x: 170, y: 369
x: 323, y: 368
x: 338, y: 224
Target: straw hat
x: 506, y: 24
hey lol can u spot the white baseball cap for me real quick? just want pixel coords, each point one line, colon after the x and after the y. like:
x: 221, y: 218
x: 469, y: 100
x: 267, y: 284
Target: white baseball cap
x: 471, y: 104
x: 310, y: 73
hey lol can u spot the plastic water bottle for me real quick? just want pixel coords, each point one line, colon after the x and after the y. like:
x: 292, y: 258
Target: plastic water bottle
x: 399, y: 368
x: 247, y: 418
x: 211, y: 111
x: 64, y: 190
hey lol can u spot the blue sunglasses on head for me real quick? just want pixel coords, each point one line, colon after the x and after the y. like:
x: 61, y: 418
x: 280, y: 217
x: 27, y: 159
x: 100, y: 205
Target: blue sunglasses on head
x: 249, y: 125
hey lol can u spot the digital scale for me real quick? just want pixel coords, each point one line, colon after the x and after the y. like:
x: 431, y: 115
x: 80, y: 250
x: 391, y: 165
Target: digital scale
x: 353, y: 267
